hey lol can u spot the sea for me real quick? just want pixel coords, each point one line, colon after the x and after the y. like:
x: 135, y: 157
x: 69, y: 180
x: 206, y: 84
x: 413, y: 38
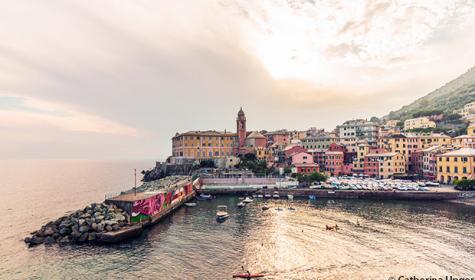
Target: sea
x: 375, y: 240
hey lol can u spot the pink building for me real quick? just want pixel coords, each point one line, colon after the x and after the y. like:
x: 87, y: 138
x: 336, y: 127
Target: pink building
x: 302, y: 158
x: 256, y: 140
x: 289, y: 151
x: 279, y: 138
x: 334, y: 161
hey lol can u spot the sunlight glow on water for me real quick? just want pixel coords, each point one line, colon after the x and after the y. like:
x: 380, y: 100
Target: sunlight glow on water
x: 394, y: 238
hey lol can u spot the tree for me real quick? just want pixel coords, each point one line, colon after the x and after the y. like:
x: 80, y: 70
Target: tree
x: 375, y: 120
x: 207, y: 163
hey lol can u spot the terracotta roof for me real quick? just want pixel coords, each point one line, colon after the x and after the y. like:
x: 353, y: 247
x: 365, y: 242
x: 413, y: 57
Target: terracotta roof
x: 255, y: 134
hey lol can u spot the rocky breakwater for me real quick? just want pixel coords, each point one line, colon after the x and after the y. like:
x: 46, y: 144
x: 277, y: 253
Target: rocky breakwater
x: 82, y: 226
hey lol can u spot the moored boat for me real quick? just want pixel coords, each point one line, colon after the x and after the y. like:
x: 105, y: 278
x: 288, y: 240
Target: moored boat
x: 240, y: 204
x: 204, y: 197
x: 290, y: 196
x: 247, y: 200
x: 190, y: 204
x: 276, y: 195
x: 222, y: 213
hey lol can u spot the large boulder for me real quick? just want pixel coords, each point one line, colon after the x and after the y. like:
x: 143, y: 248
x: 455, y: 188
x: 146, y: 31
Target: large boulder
x: 84, y: 228
x: 91, y: 236
x: 64, y: 231
x: 49, y: 240
x: 83, y: 237
x: 49, y: 231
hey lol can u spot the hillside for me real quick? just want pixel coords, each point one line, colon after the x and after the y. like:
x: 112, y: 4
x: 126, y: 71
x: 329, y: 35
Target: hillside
x: 447, y: 98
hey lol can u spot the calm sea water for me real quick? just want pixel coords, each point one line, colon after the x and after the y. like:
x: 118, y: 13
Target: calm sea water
x: 420, y: 239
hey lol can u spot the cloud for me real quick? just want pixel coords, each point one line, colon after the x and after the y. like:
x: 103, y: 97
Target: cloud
x: 32, y: 112
x: 119, y: 79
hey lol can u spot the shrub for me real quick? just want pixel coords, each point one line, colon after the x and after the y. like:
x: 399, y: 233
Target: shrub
x: 465, y: 184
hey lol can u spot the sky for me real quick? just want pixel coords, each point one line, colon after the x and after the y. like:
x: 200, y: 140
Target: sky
x: 117, y: 79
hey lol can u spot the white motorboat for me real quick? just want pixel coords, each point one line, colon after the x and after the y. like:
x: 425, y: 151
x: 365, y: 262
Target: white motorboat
x: 240, y: 204
x: 260, y: 196
x: 247, y: 200
x: 276, y: 195
x: 267, y: 195
x: 222, y: 213
x: 290, y: 196
x: 190, y: 204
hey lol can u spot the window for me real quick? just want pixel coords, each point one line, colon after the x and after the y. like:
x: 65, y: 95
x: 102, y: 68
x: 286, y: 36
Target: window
x: 456, y: 169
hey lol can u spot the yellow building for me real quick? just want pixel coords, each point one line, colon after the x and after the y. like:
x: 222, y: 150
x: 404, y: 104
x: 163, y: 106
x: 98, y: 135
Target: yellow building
x: 408, y: 143
x: 471, y: 129
x: 422, y: 122
x: 262, y: 153
x: 456, y: 165
x: 384, y: 165
x: 204, y: 144
x: 362, y: 150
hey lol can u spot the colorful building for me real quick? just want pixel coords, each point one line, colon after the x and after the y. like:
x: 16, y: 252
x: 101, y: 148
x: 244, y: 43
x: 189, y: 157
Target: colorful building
x: 305, y: 168
x: 456, y: 165
x: 302, y: 157
x: 204, y: 144
x: 422, y: 122
x: 334, y: 161
x: 384, y: 165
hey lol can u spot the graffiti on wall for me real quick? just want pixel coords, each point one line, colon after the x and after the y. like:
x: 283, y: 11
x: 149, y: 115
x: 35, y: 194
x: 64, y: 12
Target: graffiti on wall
x: 145, y: 209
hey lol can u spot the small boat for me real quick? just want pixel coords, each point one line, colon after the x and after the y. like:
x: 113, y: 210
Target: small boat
x: 247, y: 200
x: 240, y: 204
x: 312, y: 197
x: 254, y: 195
x: 222, y: 213
x: 331, y: 192
x: 267, y: 195
x: 204, y: 197
x: 265, y: 207
x: 276, y: 195
x: 248, y: 275
x: 260, y: 196
x: 290, y: 196
x: 291, y: 208
x: 190, y: 204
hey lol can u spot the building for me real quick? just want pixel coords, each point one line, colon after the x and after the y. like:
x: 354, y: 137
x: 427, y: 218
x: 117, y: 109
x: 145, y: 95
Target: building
x: 384, y: 165
x: 289, y: 151
x: 429, y: 161
x: 212, y: 144
x: 408, y: 143
x: 305, y: 168
x: 353, y: 130
x: 255, y: 140
x: 204, y: 144
x: 321, y: 141
x: 456, y: 165
x: 280, y: 138
x: 302, y: 157
x: 422, y: 122
x: 241, y: 131
x: 334, y: 161
x: 362, y: 150
x: 467, y: 110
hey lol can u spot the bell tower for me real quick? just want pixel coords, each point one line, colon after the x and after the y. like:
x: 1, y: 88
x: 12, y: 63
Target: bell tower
x: 241, y: 129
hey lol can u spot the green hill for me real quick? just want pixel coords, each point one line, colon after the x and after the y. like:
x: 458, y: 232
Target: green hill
x: 446, y: 99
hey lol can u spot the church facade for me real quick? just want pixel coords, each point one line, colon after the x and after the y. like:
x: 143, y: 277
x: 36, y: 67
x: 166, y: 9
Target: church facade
x: 211, y: 144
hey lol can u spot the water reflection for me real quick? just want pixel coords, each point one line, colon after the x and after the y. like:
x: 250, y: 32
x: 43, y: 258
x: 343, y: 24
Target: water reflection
x: 392, y: 238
